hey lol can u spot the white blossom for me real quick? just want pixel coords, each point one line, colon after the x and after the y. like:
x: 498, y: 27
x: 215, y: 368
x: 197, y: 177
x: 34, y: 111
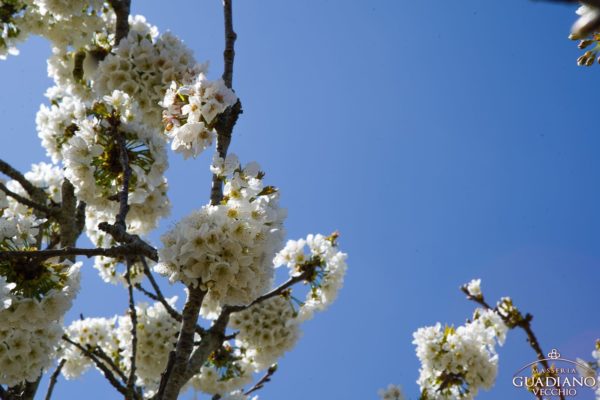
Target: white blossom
x: 456, y: 363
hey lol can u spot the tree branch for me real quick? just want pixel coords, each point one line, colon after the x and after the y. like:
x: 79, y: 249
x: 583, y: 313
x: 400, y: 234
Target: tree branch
x: 68, y: 225
x: 29, y: 203
x: 157, y: 295
x: 185, y: 344
x: 107, y: 372
x: 54, y: 378
x: 121, y: 8
x: 266, y: 378
x: 134, y: 338
x: 33, y: 191
x: 228, y: 118
x: 126, y: 170
x: 275, y: 292
x: 117, y: 251
x: 137, y: 245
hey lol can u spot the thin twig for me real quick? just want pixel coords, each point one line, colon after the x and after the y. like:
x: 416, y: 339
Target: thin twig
x: 54, y: 378
x: 33, y: 191
x: 266, y: 378
x: 107, y: 372
x: 29, y: 203
x: 275, y: 292
x: 158, y: 296
x: 228, y: 118
x: 137, y: 245
x: 101, y: 354
x: 134, y: 338
x: 230, y: 37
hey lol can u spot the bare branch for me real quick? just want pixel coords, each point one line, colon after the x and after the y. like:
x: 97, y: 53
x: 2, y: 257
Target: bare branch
x: 107, y: 372
x: 121, y: 8
x: 68, y: 225
x: 134, y: 338
x: 29, y: 203
x: 266, y: 378
x: 230, y: 37
x: 33, y: 191
x: 275, y: 292
x: 126, y: 170
x: 228, y: 118
x: 137, y: 245
x: 118, y: 251
x: 185, y: 344
x: 158, y: 296
x: 101, y: 354
x: 54, y: 378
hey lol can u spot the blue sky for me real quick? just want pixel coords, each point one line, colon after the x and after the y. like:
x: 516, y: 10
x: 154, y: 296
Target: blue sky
x: 444, y: 140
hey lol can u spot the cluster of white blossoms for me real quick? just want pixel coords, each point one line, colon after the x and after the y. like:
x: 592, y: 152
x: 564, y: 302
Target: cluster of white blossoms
x: 319, y: 258
x: 113, y: 108
x: 191, y: 112
x: 156, y: 334
x: 392, y: 392
x: 34, y: 295
x: 33, y: 299
x: 266, y: 330
x: 92, y: 159
x: 90, y: 333
x: 456, y: 363
x: 52, y: 20
x: 144, y: 65
x: 227, y: 249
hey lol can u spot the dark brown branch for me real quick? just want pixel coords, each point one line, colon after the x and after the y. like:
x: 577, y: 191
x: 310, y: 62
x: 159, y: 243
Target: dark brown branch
x: 101, y: 366
x: 122, y: 9
x: 101, y: 354
x: 54, y: 378
x: 126, y: 170
x: 118, y: 251
x: 134, y: 338
x: 228, y: 119
x: 29, y: 203
x: 33, y: 191
x: 185, y: 344
x: 275, y: 292
x: 266, y: 378
x: 68, y: 225
x: 157, y: 295
x: 136, y: 244
x: 230, y: 37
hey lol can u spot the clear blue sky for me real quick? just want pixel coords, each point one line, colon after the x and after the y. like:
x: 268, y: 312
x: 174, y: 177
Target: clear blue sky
x: 445, y: 140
